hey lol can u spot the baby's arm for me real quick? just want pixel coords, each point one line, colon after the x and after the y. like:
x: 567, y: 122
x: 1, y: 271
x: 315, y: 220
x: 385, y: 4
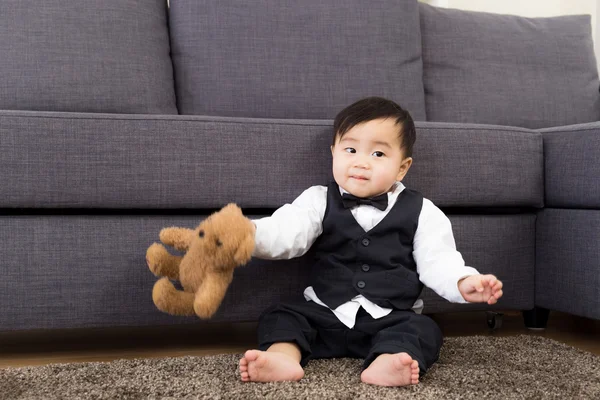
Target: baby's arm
x: 439, y: 264
x: 293, y: 228
x: 480, y: 289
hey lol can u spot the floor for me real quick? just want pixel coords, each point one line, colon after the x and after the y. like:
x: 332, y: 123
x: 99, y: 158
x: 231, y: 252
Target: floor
x: 39, y: 348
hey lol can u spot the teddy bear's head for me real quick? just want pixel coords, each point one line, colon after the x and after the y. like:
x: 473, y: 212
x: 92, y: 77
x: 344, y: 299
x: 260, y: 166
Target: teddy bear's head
x: 227, y: 237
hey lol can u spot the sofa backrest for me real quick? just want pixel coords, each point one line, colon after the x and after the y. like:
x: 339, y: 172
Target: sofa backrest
x: 508, y: 70
x: 294, y: 58
x: 86, y: 56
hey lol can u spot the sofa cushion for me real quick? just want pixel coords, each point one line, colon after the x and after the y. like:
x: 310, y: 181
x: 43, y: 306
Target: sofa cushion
x: 205, y: 162
x: 89, y: 56
x: 294, y: 59
x: 469, y: 165
x: 508, y: 70
x: 572, y: 166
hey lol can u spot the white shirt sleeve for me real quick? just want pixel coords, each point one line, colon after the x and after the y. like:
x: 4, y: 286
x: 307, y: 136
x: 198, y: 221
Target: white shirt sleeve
x: 293, y: 228
x: 439, y: 264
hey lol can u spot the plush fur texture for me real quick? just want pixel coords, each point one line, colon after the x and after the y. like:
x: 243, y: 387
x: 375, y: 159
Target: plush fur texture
x: 222, y: 242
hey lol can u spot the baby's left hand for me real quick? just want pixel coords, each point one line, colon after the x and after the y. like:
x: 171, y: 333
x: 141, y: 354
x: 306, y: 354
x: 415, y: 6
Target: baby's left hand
x: 480, y: 289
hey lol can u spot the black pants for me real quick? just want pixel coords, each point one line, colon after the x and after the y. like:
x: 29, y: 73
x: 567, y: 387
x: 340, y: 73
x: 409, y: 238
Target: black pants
x: 319, y: 334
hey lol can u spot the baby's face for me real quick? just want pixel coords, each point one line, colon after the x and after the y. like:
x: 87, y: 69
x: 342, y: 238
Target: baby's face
x: 368, y: 160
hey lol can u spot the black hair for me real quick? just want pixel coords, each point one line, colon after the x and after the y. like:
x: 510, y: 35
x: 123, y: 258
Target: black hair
x: 371, y: 108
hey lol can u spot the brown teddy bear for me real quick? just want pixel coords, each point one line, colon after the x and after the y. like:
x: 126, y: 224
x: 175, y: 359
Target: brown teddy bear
x: 222, y: 242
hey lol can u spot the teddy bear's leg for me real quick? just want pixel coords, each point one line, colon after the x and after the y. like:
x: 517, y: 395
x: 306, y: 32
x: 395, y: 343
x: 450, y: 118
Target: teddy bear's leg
x: 210, y: 294
x: 170, y: 300
x: 161, y: 262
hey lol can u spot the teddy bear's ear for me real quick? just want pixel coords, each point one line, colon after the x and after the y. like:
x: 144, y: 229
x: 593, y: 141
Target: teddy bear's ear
x: 243, y: 254
x: 232, y: 208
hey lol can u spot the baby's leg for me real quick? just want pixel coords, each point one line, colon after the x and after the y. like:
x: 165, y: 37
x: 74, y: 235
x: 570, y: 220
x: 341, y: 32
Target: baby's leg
x: 281, y: 362
x: 285, y: 335
x: 392, y: 370
x: 404, y: 346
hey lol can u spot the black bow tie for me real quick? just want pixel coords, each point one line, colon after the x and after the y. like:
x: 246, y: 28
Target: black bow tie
x: 380, y: 202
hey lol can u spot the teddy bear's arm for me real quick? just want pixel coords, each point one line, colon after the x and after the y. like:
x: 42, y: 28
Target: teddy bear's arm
x: 211, y: 292
x: 180, y: 238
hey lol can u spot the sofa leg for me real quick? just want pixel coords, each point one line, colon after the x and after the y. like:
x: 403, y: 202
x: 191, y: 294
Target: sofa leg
x: 536, y: 319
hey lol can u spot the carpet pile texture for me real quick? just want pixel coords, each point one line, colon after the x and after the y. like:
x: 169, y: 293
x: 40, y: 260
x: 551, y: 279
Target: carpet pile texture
x: 475, y: 367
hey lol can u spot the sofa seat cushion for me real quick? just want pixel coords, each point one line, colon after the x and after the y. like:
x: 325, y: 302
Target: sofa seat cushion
x: 572, y: 166
x: 508, y: 70
x: 83, y: 160
x: 470, y: 165
x: 86, y: 56
x: 294, y: 59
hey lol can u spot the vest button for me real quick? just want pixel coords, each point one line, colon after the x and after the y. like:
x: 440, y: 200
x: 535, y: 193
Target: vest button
x: 365, y: 268
x: 361, y: 284
x: 365, y: 242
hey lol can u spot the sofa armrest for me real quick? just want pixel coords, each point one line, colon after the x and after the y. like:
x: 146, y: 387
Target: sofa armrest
x: 572, y: 166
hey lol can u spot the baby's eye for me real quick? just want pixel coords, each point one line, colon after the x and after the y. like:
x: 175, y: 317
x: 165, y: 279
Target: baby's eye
x: 350, y: 150
x: 378, y: 154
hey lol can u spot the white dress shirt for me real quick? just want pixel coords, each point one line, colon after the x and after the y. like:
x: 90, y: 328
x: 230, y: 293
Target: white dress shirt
x: 293, y: 228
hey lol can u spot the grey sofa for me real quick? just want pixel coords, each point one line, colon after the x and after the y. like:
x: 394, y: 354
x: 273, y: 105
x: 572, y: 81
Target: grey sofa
x: 120, y: 118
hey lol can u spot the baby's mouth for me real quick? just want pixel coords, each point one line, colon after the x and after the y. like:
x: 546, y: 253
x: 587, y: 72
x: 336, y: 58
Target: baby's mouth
x: 360, y: 178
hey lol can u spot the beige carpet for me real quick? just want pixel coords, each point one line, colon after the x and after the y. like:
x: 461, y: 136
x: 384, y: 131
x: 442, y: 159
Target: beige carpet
x: 480, y: 367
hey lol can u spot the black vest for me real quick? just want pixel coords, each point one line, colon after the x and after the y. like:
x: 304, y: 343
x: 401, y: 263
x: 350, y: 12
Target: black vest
x: 377, y: 264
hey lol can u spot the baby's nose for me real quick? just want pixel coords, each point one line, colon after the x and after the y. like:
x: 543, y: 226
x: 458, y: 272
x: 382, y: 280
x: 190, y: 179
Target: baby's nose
x: 362, y: 163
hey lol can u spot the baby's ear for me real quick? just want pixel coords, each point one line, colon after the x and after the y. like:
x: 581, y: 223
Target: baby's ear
x: 243, y: 254
x: 404, y: 167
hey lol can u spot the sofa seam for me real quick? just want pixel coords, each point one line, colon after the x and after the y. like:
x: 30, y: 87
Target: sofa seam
x: 249, y: 121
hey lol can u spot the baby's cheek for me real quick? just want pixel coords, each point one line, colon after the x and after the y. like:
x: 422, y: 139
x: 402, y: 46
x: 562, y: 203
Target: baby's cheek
x: 383, y: 176
x: 338, y: 173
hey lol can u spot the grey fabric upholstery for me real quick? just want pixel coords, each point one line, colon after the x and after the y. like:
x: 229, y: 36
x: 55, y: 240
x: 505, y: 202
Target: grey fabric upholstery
x: 567, y: 271
x: 508, y: 70
x: 572, y: 166
x: 110, y: 161
x: 90, y: 271
x: 294, y: 59
x: 89, y: 56
x: 83, y: 193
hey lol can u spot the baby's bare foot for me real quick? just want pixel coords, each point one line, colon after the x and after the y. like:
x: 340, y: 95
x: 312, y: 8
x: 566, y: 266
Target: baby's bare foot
x: 392, y: 370
x: 269, y: 366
